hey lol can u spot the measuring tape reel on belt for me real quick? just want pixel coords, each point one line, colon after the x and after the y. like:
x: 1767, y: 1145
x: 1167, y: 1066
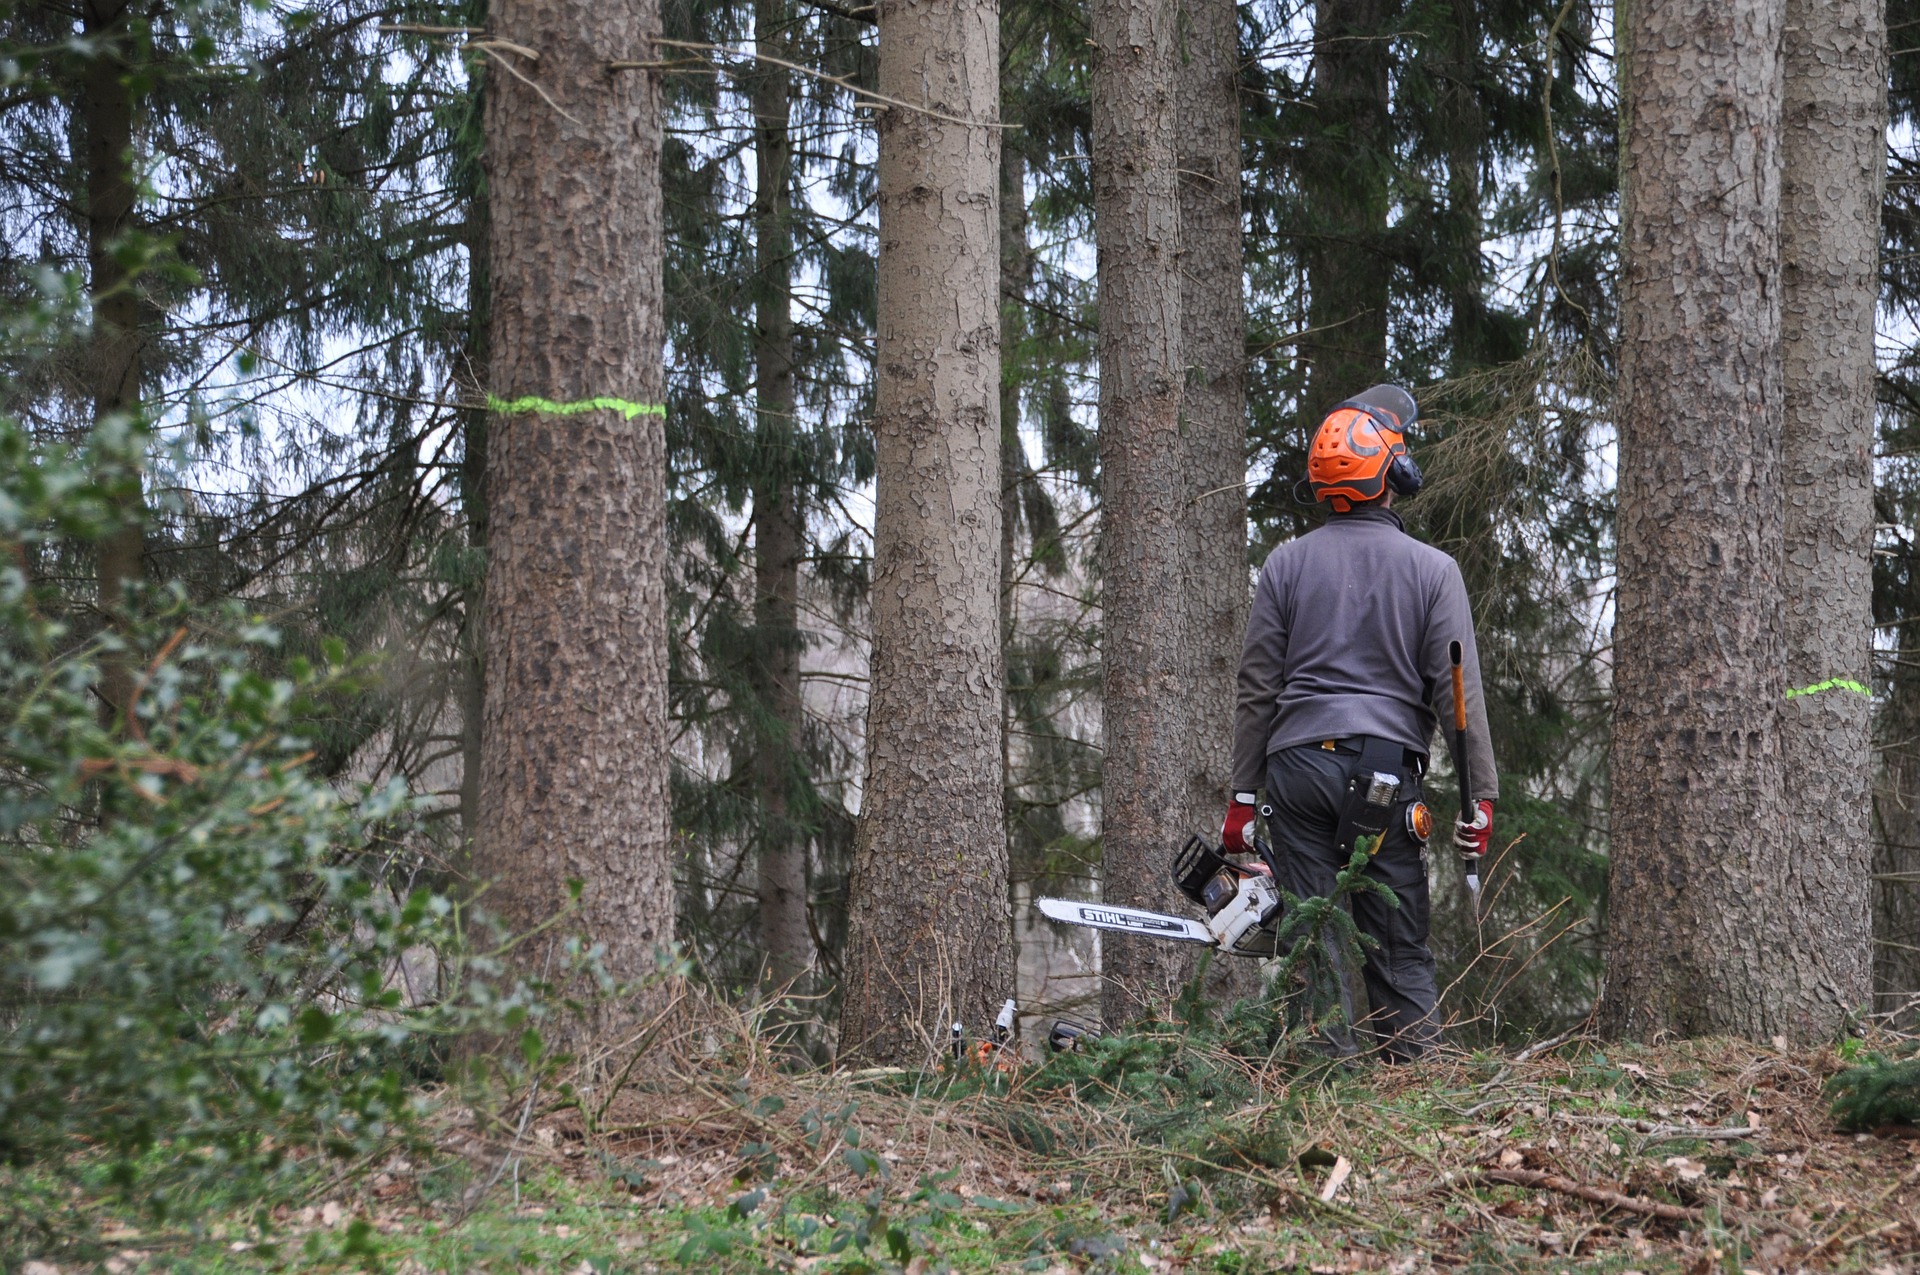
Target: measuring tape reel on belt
x: 1374, y: 784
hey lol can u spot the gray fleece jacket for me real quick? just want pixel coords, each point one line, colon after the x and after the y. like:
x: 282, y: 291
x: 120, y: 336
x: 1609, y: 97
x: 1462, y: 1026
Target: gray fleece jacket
x: 1348, y: 636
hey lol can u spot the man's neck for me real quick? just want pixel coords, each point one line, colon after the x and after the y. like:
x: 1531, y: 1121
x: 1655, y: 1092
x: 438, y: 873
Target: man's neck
x: 1377, y: 511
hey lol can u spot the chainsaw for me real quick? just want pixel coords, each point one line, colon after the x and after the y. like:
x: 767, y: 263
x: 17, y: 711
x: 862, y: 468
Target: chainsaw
x: 1241, y: 902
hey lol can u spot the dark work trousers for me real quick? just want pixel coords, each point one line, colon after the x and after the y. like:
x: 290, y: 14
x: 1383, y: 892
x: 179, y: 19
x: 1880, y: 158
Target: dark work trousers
x: 1307, y: 786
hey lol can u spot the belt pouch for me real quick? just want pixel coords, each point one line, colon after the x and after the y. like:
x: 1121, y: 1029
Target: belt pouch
x: 1374, y: 781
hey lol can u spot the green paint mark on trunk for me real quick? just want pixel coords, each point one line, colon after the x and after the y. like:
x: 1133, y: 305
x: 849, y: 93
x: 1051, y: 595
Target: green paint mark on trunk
x: 547, y: 407
x: 1831, y: 684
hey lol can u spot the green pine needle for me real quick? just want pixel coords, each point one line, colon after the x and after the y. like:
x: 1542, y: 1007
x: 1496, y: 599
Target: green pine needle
x: 1881, y: 1091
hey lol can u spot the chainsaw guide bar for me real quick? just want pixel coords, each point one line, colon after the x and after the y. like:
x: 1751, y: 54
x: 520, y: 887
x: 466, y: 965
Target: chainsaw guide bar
x: 1106, y: 916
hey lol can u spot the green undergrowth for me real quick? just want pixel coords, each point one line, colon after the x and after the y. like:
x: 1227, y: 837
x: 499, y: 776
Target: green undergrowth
x: 565, y: 1225
x: 1152, y: 1151
x: 1880, y: 1091
x: 562, y: 1224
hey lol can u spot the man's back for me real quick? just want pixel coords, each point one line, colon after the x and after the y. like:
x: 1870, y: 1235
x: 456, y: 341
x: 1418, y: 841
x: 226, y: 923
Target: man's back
x: 1348, y: 636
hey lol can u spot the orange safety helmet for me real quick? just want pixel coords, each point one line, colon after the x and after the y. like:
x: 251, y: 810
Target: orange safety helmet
x: 1360, y: 449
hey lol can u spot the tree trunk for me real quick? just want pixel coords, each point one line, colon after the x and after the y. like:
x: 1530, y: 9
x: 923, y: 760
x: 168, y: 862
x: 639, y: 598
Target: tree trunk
x: 471, y: 670
x: 473, y: 379
x: 1896, y: 887
x: 115, y: 347
x: 1833, y: 144
x: 779, y: 527
x: 930, y: 935
x: 1698, y: 910
x: 1213, y: 327
x: 1016, y: 263
x: 779, y: 542
x: 574, y: 781
x: 1466, y: 128
x: 1144, y: 790
x: 1344, y: 178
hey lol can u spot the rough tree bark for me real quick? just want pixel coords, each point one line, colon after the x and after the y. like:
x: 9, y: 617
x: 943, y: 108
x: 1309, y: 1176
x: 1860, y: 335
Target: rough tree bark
x: 1697, y: 917
x: 1213, y: 327
x: 1136, y: 204
x: 1343, y: 180
x: 930, y: 934
x: 574, y: 753
x: 116, y: 342
x: 1833, y: 143
x: 779, y: 527
x: 1896, y: 866
x: 1016, y: 267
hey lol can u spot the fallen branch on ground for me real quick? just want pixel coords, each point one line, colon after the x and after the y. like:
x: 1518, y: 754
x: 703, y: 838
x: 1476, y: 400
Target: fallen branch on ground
x: 1664, y: 1132
x: 1593, y: 1194
x: 1548, y: 1046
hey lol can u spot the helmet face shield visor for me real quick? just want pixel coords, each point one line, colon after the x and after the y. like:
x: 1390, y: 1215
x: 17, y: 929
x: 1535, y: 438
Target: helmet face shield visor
x: 1392, y: 400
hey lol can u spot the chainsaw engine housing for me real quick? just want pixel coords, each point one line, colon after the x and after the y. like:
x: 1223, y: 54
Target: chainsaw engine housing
x: 1244, y: 926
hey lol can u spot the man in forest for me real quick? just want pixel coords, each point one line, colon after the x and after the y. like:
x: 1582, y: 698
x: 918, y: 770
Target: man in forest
x: 1343, y: 677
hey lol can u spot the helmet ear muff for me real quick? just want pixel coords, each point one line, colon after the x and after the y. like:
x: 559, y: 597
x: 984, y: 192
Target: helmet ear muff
x: 1404, y: 476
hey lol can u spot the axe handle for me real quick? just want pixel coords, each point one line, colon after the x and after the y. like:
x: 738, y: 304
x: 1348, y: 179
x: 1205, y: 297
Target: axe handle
x: 1456, y: 654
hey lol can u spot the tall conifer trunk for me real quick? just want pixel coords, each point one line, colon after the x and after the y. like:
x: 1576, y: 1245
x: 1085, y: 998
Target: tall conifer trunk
x: 1833, y: 140
x: 1699, y: 911
x: 779, y: 528
x: 1136, y: 205
x: 1213, y: 328
x: 930, y: 935
x: 1343, y: 177
x: 574, y: 752
x: 473, y: 379
x: 1016, y: 264
x: 1466, y: 128
x: 1896, y: 868
x: 114, y: 351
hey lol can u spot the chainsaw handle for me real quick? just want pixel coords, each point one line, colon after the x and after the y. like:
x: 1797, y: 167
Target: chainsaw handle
x: 1265, y: 851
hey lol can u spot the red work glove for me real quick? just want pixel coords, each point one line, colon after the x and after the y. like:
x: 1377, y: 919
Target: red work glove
x: 1472, y: 838
x: 1236, y: 834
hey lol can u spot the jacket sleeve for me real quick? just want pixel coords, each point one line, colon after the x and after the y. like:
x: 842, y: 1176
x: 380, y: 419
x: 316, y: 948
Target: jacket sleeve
x: 1262, y: 662
x: 1449, y: 620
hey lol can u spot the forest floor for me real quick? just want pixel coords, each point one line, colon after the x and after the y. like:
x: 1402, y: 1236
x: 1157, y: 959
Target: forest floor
x: 1693, y: 1157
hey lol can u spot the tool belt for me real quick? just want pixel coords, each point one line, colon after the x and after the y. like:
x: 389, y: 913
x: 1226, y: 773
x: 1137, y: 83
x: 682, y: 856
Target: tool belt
x: 1381, y: 770
x: 1385, y: 750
